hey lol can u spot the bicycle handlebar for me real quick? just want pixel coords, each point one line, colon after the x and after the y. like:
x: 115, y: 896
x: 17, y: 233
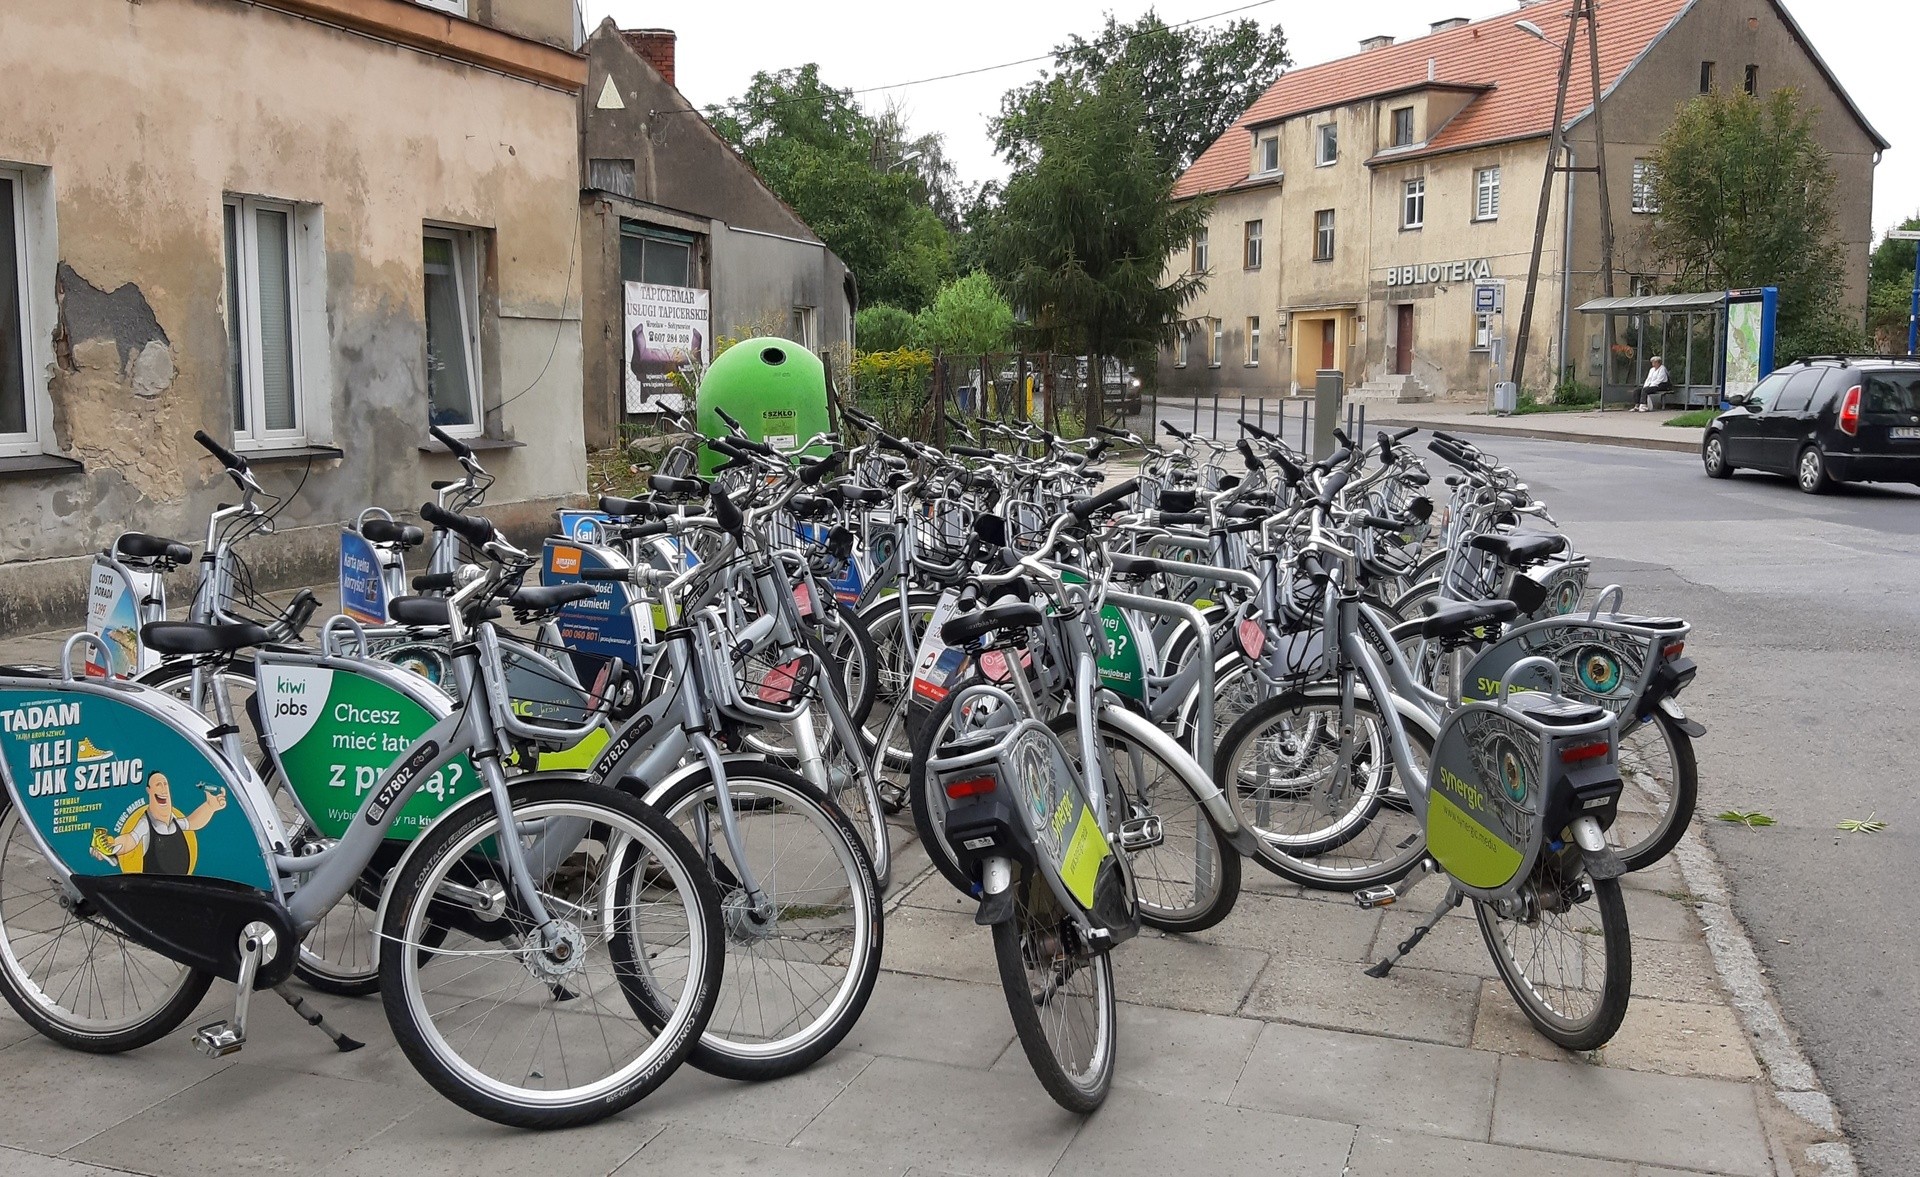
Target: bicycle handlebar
x: 455, y: 446
x: 228, y: 458
x: 475, y: 529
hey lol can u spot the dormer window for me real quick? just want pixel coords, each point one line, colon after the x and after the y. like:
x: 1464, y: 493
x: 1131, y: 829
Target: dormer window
x: 1326, y: 144
x: 1403, y: 126
x: 1266, y: 155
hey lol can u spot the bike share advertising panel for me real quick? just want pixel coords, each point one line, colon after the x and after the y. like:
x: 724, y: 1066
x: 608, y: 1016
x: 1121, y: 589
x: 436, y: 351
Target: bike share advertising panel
x: 111, y: 788
x: 603, y: 625
x: 1610, y: 663
x: 114, y: 596
x: 336, y: 726
x: 938, y: 666
x: 363, y: 590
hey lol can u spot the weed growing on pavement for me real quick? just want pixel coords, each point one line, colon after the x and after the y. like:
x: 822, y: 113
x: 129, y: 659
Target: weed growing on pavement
x: 1697, y: 419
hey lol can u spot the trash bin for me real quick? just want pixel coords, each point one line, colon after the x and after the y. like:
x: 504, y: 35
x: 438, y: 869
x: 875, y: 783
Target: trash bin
x: 775, y: 388
x: 1506, y: 397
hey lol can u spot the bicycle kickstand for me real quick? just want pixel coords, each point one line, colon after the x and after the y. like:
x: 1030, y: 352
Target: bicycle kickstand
x: 313, y: 1017
x: 1450, y: 901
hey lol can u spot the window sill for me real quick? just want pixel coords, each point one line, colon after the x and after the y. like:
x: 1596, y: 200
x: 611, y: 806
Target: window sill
x: 1325, y: 163
x: 1413, y: 228
x: 292, y: 453
x: 1251, y: 364
x: 432, y: 446
x: 1484, y: 220
x: 32, y: 465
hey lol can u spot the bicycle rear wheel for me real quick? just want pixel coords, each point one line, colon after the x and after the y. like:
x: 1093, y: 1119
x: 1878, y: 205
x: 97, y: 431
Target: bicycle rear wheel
x: 1661, y: 783
x: 67, y: 971
x: 564, y: 1025
x: 1060, y: 996
x: 1563, y: 950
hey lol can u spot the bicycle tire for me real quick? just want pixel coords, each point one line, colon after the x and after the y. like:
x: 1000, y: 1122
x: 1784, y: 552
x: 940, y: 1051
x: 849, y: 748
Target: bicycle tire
x: 1685, y: 786
x: 1017, y: 943
x: 1597, y: 1028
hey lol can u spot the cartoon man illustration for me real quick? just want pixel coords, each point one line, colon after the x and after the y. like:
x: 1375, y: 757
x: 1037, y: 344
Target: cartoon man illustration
x: 160, y: 833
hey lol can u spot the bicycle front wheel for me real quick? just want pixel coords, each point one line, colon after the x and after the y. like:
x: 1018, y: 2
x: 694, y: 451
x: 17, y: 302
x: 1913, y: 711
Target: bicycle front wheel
x: 1060, y: 996
x: 561, y: 1025
x: 1661, y: 786
x: 1563, y: 950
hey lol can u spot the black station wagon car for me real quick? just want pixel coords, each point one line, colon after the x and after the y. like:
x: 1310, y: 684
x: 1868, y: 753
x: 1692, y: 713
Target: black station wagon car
x: 1823, y: 421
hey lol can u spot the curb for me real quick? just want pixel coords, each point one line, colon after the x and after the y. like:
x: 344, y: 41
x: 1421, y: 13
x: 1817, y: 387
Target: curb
x: 1677, y: 445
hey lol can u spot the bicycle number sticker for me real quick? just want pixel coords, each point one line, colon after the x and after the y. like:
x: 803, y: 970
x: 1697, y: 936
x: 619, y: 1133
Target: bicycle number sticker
x: 336, y: 733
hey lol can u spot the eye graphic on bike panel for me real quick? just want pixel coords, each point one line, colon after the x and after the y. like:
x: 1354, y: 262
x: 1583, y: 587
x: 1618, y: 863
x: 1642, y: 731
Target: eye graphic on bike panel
x: 1598, y: 670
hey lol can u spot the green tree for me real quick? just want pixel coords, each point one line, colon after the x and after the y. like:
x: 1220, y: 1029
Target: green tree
x: 1746, y: 199
x: 879, y: 327
x: 1086, y: 224
x: 1194, y: 82
x: 1890, y: 285
x: 841, y: 170
x: 968, y: 317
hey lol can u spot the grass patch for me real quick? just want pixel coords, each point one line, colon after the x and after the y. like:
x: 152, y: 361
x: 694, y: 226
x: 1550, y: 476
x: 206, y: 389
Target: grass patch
x: 1528, y: 407
x: 1697, y: 419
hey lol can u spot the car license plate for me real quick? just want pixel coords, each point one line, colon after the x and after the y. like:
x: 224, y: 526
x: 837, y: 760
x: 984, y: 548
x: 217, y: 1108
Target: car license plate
x: 1905, y: 433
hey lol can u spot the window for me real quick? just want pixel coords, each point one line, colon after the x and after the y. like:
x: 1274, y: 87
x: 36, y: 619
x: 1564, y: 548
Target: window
x: 1486, y: 194
x: 1200, y: 261
x: 1753, y: 79
x: 1182, y: 339
x: 1413, y: 205
x: 1253, y: 341
x: 1706, y: 77
x: 1482, y: 332
x: 1799, y: 391
x: 451, y: 259
x: 1892, y: 392
x: 659, y: 257
x: 800, y: 327
x: 457, y: 7
x: 1266, y: 155
x: 1323, y: 235
x: 263, y: 327
x: 17, y: 386
x: 1644, y: 177
x: 1253, y: 245
x: 1402, y: 126
x: 1327, y: 145
x: 1219, y: 341
x: 1766, y: 390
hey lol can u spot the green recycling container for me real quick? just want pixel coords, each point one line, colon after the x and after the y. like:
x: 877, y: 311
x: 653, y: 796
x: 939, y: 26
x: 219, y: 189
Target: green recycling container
x: 775, y: 388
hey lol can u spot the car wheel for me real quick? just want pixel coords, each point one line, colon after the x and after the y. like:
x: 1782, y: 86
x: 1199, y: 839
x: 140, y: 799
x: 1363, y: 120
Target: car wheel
x: 1811, y: 473
x: 1713, y: 454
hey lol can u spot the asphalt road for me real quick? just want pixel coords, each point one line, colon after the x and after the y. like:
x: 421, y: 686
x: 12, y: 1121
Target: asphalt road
x: 1806, y: 615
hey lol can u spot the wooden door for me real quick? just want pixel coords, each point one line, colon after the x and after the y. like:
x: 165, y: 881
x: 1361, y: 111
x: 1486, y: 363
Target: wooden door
x: 1403, y: 340
x: 1326, y: 345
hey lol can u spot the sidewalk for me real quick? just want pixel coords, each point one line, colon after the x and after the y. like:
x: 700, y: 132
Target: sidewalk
x: 1257, y: 1046
x: 1617, y: 427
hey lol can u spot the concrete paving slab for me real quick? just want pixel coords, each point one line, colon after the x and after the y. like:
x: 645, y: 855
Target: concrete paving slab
x: 772, y: 1113
x: 1288, y: 926
x: 1153, y: 1135
x: 1707, y: 1124
x: 52, y: 1098
x: 1454, y: 946
x: 15, y: 1163
x: 1661, y: 876
x: 1381, y: 1153
x: 441, y: 1140
x: 1676, y: 970
x: 1203, y: 978
x: 1197, y: 1056
x: 1407, y: 1003
x: 1389, y: 1082
x: 939, y: 944
x: 679, y: 1151
x: 1670, y: 1037
x: 936, y: 1021
x: 1653, y: 915
x: 904, y: 1111
x: 249, y: 1120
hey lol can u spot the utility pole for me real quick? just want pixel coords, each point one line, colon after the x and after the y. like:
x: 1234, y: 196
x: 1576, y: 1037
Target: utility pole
x: 1582, y: 11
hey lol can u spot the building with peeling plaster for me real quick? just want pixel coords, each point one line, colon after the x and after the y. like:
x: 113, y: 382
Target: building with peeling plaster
x: 306, y: 226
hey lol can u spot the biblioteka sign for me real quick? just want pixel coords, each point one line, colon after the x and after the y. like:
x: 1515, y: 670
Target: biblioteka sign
x: 1425, y: 273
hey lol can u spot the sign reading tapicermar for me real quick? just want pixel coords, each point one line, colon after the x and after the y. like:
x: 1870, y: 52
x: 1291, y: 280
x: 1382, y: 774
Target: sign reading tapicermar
x: 1423, y: 273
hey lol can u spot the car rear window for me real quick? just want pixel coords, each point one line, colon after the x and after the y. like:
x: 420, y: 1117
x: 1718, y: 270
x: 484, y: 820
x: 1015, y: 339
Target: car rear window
x: 1892, y: 392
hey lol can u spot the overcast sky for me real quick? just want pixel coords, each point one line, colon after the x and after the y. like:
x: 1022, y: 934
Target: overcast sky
x: 1872, y: 45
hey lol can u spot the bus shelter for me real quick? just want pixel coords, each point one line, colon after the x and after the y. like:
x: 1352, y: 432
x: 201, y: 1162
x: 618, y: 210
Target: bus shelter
x: 1685, y: 330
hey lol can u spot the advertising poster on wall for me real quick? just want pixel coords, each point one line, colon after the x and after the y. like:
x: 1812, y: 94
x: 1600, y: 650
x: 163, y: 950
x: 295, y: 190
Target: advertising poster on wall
x: 667, y: 332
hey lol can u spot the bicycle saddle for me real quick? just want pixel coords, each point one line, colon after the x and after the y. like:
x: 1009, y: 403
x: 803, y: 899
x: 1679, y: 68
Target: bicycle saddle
x: 175, y: 638
x: 678, y: 487
x: 389, y: 531
x: 138, y: 546
x: 970, y: 626
x: 1453, y: 618
x: 421, y: 610
x: 1520, y: 550
x: 547, y: 597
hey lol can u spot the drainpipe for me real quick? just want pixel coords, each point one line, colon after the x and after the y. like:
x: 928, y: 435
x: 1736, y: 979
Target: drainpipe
x: 1566, y: 268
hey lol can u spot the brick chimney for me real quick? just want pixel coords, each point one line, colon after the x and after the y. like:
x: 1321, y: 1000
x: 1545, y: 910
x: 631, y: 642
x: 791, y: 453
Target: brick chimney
x: 1369, y: 44
x: 655, y: 46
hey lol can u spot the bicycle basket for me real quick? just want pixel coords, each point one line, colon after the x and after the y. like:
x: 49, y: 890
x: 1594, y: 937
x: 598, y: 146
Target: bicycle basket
x: 767, y: 683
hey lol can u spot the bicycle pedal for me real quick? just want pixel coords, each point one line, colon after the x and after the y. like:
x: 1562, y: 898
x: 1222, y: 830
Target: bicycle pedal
x: 1141, y: 833
x: 1371, y: 897
x: 219, y: 1039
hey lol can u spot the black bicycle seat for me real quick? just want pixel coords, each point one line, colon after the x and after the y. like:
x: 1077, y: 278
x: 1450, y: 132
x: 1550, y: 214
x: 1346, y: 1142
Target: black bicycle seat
x: 180, y: 638
x: 421, y: 610
x: 547, y: 597
x: 1520, y: 550
x: 138, y: 546
x: 1453, y: 618
x: 969, y: 626
x: 391, y: 531
x: 678, y: 487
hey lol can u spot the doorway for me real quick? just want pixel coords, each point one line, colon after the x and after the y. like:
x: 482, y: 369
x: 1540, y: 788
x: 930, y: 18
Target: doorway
x: 1403, y: 340
x: 1327, y: 352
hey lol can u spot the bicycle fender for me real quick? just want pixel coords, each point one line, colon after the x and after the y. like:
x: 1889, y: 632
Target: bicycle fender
x: 1412, y: 714
x: 1692, y: 727
x: 1197, y: 781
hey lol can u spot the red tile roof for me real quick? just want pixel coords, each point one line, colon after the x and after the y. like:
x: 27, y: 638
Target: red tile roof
x: 1522, y: 72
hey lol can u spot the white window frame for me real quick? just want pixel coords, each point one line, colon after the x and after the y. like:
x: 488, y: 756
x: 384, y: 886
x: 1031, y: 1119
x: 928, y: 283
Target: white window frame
x: 1486, y: 193
x: 1253, y: 248
x: 801, y: 319
x: 1264, y: 146
x: 1253, y: 341
x: 1329, y: 228
x: 466, y: 280
x: 1413, y: 203
x: 456, y: 7
x: 248, y: 435
x: 1325, y: 136
x: 27, y: 441
x: 1644, y: 177
x: 1202, y: 255
x: 1182, y: 343
x: 1219, y: 343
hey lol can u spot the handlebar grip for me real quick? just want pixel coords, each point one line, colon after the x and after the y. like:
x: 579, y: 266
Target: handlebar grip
x: 1170, y: 427
x: 1086, y: 508
x: 1258, y: 431
x: 729, y: 418
x: 228, y: 458
x: 1246, y: 451
x: 458, y: 448
x: 969, y: 451
x: 729, y: 516
x: 897, y: 445
x: 1110, y: 431
x: 434, y: 582
x: 1310, y: 563
x: 816, y: 471
x: 1340, y: 436
x: 1182, y: 518
x: 603, y: 575
x: 1404, y: 434
x: 1331, y: 488
x: 1097, y: 450
x: 475, y: 529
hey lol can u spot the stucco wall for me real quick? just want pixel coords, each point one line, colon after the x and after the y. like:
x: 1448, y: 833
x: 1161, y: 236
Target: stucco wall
x: 146, y: 115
